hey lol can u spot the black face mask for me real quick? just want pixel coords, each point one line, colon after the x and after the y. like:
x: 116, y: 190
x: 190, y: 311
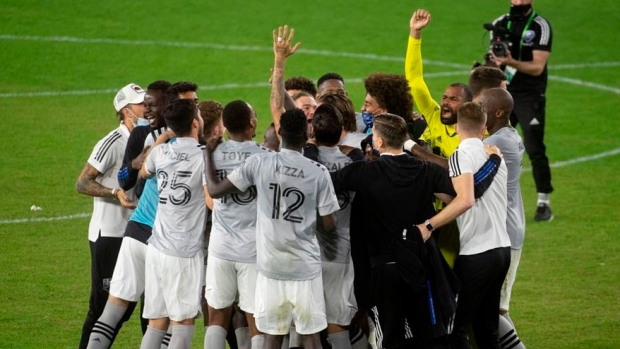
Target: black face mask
x: 518, y: 12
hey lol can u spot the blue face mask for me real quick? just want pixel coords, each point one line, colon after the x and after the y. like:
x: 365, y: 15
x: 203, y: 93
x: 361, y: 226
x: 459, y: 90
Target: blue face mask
x: 142, y: 122
x: 368, y: 119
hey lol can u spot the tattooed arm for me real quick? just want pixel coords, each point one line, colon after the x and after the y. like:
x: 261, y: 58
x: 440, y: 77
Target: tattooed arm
x: 87, y: 184
x: 279, y: 100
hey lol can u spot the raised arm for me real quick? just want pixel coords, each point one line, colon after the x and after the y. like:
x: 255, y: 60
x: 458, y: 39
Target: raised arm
x: 413, y: 64
x: 282, y: 48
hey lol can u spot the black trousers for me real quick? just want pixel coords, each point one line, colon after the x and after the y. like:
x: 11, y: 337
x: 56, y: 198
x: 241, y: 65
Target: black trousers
x: 482, y: 276
x: 529, y: 112
x: 401, y: 316
x: 103, y: 254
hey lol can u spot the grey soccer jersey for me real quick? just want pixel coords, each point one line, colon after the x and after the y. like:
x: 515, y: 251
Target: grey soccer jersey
x: 509, y: 143
x: 337, y: 247
x: 180, y: 218
x: 233, y: 234
x: 291, y: 191
x: 483, y: 226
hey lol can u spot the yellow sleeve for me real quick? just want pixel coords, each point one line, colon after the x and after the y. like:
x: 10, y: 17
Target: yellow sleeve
x: 414, y: 74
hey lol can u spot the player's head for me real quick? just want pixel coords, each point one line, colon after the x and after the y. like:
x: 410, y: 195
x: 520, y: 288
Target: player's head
x: 182, y: 117
x: 154, y: 103
x: 388, y: 93
x: 453, y: 98
x: 327, y: 125
x: 307, y: 103
x: 129, y: 104
x: 270, y: 138
x: 471, y: 121
x: 330, y: 83
x: 211, y: 112
x: 182, y: 90
x: 345, y: 107
x: 389, y: 131
x: 497, y: 104
x: 240, y: 119
x: 298, y: 84
x: 483, y: 77
x: 293, y: 129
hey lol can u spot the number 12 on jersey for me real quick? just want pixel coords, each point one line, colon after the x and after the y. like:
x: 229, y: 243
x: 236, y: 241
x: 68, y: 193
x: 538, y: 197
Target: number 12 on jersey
x: 279, y: 194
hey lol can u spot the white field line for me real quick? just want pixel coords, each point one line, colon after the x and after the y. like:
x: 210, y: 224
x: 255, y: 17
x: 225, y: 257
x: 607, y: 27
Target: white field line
x: 88, y: 214
x: 214, y: 46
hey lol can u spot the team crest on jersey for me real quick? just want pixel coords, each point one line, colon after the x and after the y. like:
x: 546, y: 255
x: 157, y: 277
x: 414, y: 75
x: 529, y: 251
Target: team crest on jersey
x: 106, y: 284
x: 529, y: 36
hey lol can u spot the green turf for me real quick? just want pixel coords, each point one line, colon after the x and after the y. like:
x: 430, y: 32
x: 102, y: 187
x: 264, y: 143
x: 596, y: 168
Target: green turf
x: 566, y: 294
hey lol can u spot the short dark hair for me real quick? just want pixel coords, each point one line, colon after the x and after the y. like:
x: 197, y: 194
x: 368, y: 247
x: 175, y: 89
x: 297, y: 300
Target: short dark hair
x: 471, y: 117
x: 392, y: 92
x: 345, y: 107
x: 294, y: 127
x: 172, y: 93
x: 301, y: 83
x: 391, y: 128
x: 327, y: 125
x: 236, y: 116
x: 329, y: 76
x: 159, y: 85
x: 483, y: 78
x: 211, y: 112
x: 465, y: 91
x: 179, y: 115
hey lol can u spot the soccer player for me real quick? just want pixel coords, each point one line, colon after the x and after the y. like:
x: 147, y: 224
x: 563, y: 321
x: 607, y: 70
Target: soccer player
x: 112, y: 206
x: 338, y: 274
x: 174, y: 255
x: 483, y: 78
x: 497, y: 103
x: 231, y: 263
x: 484, y: 255
x: 291, y: 191
x: 440, y: 133
x: 135, y: 151
x: 296, y: 84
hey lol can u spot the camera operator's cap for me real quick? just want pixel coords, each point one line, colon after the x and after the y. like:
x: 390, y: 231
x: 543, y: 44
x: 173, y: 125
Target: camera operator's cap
x: 130, y: 94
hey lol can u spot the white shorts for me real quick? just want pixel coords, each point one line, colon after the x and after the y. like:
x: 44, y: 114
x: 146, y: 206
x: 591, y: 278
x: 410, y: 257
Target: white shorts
x: 515, y: 257
x: 340, y: 304
x: 128, y: 278
x: 173, y: 285
x: 225, y: 280
x: 280, y: 301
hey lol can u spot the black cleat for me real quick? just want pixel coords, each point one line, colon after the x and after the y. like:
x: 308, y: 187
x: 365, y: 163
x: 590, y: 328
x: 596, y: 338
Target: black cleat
x: 543, y: 213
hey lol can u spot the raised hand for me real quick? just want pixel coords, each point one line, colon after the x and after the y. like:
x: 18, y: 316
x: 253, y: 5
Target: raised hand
x: 420, y: 19
x: 282, y: 39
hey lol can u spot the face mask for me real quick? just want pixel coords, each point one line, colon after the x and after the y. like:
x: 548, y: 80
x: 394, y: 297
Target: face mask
x: 368, y: 120
x: 142, y: 122
x: 519, y: 11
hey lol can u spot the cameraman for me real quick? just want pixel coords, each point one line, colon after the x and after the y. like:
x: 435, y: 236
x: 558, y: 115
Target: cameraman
x: 525, y: 64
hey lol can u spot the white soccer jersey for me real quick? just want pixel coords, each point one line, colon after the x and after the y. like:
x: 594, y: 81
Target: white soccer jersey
x: 151, y: 138
x: 109, y: 216
x: 509, y: 143
x: 337, y: 247
x: 291, y: 191
x: 233, y: 234
x: 483, y: 226
x: 180, y: 218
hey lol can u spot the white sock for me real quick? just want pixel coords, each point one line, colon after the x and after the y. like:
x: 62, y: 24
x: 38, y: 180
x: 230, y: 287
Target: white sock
x: 243, y: 338
x: 215, y: 337
x: 294, y: 338
x: 339, y: 340
x: 259, y: 340
x: 102, y: 333
x: 182, y: 336
x: 152, y: 338
x: 507, y: 334
x: 166, y: 341
x: 544, y: 198
x: 358, y: 339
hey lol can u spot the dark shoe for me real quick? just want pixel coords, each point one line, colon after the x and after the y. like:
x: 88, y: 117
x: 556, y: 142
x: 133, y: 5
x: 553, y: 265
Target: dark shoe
x: 543, y: 213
